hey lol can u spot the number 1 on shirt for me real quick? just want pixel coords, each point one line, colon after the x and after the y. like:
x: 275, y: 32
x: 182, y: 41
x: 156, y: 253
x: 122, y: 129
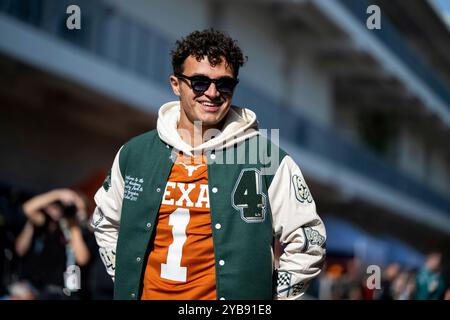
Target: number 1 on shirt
x: 172, y: 270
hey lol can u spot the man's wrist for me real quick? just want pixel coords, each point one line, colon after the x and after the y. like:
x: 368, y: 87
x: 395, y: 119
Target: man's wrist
x: 74, y: 227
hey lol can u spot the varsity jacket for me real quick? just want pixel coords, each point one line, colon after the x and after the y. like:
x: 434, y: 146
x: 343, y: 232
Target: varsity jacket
x: 257, y: 194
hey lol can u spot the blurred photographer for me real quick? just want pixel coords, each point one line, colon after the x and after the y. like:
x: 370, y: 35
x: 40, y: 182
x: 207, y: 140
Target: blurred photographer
x: 51, y: 242
x: 430, y: 281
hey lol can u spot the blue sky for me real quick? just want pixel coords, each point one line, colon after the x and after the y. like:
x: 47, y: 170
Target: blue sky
x: 443, y: 4
x: 444, y: 7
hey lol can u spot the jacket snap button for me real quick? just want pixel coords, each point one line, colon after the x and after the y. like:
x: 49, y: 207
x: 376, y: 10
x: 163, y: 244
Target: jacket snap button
x: 214, y: 190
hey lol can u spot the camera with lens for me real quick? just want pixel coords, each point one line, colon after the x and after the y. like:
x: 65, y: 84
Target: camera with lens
x: 68, y: 211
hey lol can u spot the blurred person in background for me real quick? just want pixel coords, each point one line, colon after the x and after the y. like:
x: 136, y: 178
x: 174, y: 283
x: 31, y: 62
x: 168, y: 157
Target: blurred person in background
x: 330, y: 283
x: 430, y: 282
x: 352, y: 280
x: 404, y: 286
x: 390, y: 274
x: 51, y: 240
x: 367, y: 292
x: 12, y: 221
x: 447, y: 294
x: 342, y: 281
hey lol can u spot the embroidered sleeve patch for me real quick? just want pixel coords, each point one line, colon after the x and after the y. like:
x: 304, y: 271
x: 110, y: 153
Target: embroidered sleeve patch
x: 97, y: 217
x: 301, y: 189
x: 285, y: 288
x: 107, y: 182
x: 109, y: 259
x: 314, y: 237
x: 297, y: 288
x: 284, y: 279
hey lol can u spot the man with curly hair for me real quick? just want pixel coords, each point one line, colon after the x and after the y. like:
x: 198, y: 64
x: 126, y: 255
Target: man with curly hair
x: 191, y: 211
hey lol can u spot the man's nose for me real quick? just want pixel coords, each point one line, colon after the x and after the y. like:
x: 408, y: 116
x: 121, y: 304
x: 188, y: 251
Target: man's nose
x: 212, y: 91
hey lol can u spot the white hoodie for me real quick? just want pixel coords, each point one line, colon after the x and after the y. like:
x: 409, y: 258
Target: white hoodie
x: 240, y: 124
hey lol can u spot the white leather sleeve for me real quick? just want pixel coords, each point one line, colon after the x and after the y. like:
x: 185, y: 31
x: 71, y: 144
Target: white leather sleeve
x: 299, y: 229
x: 106, y: 217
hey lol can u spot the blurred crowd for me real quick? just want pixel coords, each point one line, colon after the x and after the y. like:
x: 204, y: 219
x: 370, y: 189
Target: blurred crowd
x: 48, y: 252
x: 350, y: 279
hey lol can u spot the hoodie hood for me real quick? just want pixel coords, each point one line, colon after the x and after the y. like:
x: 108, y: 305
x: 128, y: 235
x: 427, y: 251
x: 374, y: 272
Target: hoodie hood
x: 240, y: 124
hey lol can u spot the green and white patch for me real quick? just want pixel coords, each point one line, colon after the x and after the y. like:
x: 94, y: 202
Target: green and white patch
x: 97, y: 217
x: 247, y: 196
x: 314, y: 237
x: 107, y: 182
x: 301, y: 189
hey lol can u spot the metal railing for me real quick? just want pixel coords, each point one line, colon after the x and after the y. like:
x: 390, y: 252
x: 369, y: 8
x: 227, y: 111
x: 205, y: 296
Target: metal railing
x: 104, y: 32
x: 392, y: 38
x: 144, y: 51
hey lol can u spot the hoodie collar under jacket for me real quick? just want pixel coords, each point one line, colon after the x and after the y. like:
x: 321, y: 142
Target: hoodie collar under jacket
x: 240, y: 124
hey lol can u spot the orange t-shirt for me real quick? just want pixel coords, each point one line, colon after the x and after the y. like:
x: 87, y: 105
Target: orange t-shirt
x: 181, y: 264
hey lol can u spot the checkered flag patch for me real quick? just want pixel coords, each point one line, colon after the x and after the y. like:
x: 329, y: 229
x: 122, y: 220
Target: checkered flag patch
x: 285, y: 288
x: 284, y: 279
x: 297, y: 288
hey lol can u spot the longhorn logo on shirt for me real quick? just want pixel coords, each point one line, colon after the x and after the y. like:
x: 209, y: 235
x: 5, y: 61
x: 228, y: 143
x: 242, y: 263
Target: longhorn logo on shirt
x: 191, y: 169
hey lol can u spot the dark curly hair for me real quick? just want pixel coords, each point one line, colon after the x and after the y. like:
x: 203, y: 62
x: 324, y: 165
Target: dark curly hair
x: 211, y: 43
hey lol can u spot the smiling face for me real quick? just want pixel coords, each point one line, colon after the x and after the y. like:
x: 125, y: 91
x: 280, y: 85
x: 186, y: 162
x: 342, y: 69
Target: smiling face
x: 209, y: 107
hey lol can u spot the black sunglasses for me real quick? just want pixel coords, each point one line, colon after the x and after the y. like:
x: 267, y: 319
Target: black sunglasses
x: 200, y: 83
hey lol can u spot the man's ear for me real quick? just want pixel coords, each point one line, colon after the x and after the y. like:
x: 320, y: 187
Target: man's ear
x: 175, y: 85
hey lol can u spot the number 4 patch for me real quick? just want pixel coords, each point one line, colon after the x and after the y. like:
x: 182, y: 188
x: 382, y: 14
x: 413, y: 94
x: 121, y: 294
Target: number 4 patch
x: 247, y: 196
